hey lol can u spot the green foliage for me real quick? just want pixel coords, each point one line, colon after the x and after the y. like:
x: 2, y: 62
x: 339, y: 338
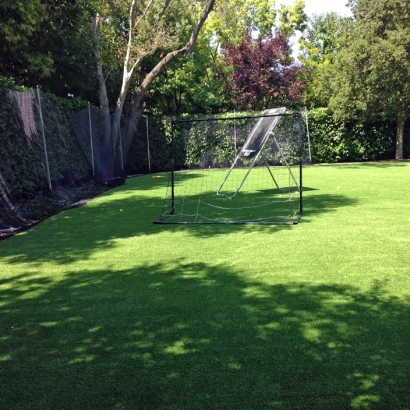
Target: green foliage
x: 159, y: 140
x: 21, y: 156
x: 320, y: 39
x: 292, y: 18
x: 47, y: 43
x: 20, y: 23
x: 160, y: 143
x: 66, y: 159
x: 319, y: 44
x: 339, y: 141
x: 191, y: 85
x: 10, y: 83
x: 371, y: 72
x: 234, y: 17
x: 331, y: 140
x: 69, y: 105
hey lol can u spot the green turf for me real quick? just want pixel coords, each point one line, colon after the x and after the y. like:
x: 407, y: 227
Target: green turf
x: 102, y: 309
x: 238, y: 195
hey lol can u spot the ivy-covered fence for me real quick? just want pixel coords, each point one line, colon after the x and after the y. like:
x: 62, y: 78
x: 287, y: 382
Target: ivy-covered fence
x: 42, y: 165
x: 150, y: 150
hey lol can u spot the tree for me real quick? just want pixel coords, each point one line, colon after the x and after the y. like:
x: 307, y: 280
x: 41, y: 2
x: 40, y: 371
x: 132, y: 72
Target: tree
x: 235, y: 17
x: 171, y: 27
x: 292, y: 18
x: 65, y: 36
x: 191, y: 85
x: 263, y: 74
x: 319, y: 44
x: 320, y: 40
x: 197, y: 84
x: 19, y: 23
x: 44, y: 42
x: 371, y: 73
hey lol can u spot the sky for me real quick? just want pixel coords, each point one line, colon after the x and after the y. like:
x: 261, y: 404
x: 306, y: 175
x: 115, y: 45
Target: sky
x: 321, y: 6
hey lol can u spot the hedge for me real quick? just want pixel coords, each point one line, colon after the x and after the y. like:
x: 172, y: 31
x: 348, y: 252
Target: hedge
x: 338, y: 141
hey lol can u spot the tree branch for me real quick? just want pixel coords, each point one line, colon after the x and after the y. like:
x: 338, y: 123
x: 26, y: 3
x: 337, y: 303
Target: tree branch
x: 171, y: 56
x: 161, y: 13
x: 144, y: 12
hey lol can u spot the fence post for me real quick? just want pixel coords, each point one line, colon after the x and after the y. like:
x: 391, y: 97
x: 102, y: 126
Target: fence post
x: 91, y: 138
x: 234, y: 132
x: 149, y: 155
x: 122, y: 158
x: 307, y: 131
x: 44, y: 139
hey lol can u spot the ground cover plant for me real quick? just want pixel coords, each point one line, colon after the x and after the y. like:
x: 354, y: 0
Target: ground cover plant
x: 101, y: 308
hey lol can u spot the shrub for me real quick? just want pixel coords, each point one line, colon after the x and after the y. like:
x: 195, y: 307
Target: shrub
x: 339, y: 141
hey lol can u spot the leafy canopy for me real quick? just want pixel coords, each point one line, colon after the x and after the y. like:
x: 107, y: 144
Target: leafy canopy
x: 372, y: 68
x: 263, y: 74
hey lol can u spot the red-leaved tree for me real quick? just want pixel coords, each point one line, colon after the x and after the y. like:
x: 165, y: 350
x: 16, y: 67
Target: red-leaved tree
x: 264, y: 74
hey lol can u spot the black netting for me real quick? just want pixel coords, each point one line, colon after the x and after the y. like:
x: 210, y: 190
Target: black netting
x: 237, y: 170
x: 43, y: 168
x: 87, y: 125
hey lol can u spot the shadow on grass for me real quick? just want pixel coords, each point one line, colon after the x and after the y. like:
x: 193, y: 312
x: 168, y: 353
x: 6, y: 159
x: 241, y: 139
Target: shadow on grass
x: 197, y: 336
x: 316, y: 204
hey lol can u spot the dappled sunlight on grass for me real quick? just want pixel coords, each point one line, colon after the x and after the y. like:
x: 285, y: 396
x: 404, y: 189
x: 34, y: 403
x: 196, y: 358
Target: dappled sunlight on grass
x: 149, y: 332
x: 115, y: 312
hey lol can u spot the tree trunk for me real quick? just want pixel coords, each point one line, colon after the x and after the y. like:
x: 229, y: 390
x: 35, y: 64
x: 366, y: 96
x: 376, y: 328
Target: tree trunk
x: 133, y: 114
x: 401, y: 119
x: 107, y: 145
x: 134, y: 110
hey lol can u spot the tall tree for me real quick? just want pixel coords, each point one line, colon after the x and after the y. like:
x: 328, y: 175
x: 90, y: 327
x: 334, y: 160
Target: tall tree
x: 263, y: 74
x: 20, y: 22
x: 371, y: 74
x: 151, y: 26
x: 44, y: 42
x: 319, y: 44
x: 197, y: 84
x: 292, y: 18
x: 235, y: 17
x: 191, y: 85
x: 320, y: 39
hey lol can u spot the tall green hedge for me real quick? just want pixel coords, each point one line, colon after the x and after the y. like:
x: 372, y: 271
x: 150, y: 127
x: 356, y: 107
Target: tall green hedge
x: 160, y: 130
x: 338, y: 141
x: 331, y: 141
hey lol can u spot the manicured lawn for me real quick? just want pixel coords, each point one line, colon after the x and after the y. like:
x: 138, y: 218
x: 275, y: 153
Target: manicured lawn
x: 102, y: 309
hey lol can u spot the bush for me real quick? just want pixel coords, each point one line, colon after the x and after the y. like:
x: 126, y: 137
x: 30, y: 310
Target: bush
x: 331, y: 141
x: 339, y: 141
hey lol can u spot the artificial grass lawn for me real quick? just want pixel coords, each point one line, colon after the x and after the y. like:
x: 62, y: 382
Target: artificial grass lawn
x: 102, y: 309
x: 200, y: 197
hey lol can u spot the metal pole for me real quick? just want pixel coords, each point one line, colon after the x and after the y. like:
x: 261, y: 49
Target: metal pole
x: 149, y: 155
x: 172, y: 170
x: 234, y: 129
x: 44, y: 139
x: 91, y: 138
x: 122, y: 158
x: 307, y: 131
x: 300, y: 187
